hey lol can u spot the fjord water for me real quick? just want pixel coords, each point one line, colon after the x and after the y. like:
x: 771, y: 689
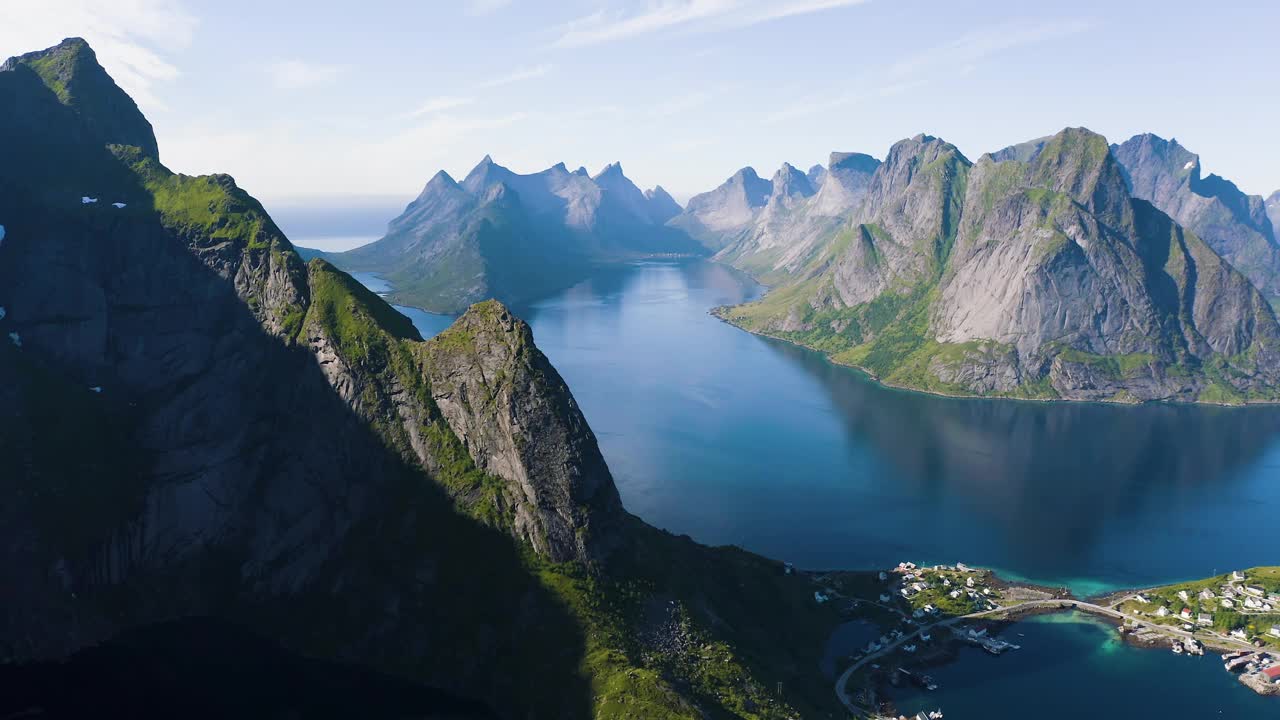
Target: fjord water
x: 734, y: 438
x: 1073, y: 666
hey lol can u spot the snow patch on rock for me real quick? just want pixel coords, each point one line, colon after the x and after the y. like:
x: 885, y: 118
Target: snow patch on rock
x: 13, y: 338
x: 1, y: 233
x: 1190, y: 164
x: 87, y: 200
x: 118, y: 206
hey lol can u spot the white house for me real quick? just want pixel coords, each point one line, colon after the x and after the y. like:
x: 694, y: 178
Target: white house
x: 1227, y: 603
x: 1275, y: 630
x: 1182, y: 594
x: 1206, y: 594
x: 1238, y: 633
x: 1237, y: 576
x: 1144, y: 599
x: 1254, y: 590
x: 1162, y: 611
x: 1204, y: 619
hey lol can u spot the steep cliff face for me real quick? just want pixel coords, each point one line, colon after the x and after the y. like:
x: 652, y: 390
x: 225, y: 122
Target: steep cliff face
x: 517, y: 419
x: 1032, y: 273
x: 194, y: 422
x: 514, y: 237
x: 1234, y: 224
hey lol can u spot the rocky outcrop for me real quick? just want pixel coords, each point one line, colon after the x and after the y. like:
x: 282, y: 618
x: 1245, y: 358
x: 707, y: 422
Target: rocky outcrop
x: 1031, y: 273
x: 1234, y: 224
x: 514, y: 237
x: 519, y: 421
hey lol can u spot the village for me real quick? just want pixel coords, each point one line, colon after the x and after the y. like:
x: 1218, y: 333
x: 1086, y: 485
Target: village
x: 924, y: 613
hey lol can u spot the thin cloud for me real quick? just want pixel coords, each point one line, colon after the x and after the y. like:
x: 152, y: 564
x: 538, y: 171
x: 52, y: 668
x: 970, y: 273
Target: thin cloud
x: 300, y: 74
x: 602, y: 27
x: 438, y: 105
x: 952, y: 59
x: 130, y: 39
x: 522, y: 74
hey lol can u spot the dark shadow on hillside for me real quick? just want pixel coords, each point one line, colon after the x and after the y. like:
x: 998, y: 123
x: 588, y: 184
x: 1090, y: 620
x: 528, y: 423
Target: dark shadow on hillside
x: 208, y: 668
x: 217, y: 472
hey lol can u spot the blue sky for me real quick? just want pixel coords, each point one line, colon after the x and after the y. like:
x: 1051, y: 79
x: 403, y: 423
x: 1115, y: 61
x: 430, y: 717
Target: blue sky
x: 368, y: 99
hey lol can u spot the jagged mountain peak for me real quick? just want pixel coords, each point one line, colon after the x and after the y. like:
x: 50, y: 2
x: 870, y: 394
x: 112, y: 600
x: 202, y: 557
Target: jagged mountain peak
x: 71, y: 71
x: 788, y: 182
x: 441, y: 179
x: 613, y: 169
x: 662, y: 207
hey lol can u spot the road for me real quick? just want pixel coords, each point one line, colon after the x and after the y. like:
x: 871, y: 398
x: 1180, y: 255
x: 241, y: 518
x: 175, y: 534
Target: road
x: 1055, y: 604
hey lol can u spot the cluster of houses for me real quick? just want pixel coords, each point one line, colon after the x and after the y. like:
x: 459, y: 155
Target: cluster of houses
x: 914, y: 582
x: 1236, y: 596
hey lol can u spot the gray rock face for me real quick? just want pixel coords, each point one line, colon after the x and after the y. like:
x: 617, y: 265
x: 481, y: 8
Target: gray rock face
x: 1235, y: 225
x: 1273, y: 212
x: 777, y: 230
x: 519, y: 421
x: 1032, y: 272
x: 714, y: 218
x: 514, y: 237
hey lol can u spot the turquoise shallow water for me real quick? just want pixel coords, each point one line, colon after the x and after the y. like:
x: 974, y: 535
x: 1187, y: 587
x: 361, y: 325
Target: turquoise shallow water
x: 733, y: 438
x: 1072, y: 666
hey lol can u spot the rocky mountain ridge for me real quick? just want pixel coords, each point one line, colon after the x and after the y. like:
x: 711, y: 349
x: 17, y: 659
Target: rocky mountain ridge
x: 1235, y: 225
x: 515, y: 237
x: 194, y: 422
x: 1031, y: 273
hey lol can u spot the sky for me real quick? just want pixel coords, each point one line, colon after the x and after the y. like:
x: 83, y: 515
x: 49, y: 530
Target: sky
x: 351, y: 102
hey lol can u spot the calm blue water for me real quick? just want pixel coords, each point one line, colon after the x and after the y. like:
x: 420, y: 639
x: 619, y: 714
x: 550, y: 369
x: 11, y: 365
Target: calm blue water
x: 1072, y: 666
x: 733, y: 438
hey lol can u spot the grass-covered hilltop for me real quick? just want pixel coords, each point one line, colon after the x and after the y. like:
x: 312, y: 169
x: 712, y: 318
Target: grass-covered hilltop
x: 195, y: 422
x: 1035, y: 272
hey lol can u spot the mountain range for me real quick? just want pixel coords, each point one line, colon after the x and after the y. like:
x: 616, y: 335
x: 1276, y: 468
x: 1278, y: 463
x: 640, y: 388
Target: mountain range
x: 194, y: 423
x: 1049, y: 269
x: 515, y: 237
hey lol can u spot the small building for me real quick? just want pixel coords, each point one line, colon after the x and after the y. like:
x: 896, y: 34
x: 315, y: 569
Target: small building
x: 1275, y: 631
x: 1182, y: 595
x: 1162, y: 611
x: 1239, y: 634
x: 1237, y: 576
x: 1186, y: 613
x: 968, y: 582
x: 884, y: 598
x: 1272, y: 674
x: 1226, y: 603
x: 1204, y: 619
x: 1255, y: 590
x: 1206, y: 594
